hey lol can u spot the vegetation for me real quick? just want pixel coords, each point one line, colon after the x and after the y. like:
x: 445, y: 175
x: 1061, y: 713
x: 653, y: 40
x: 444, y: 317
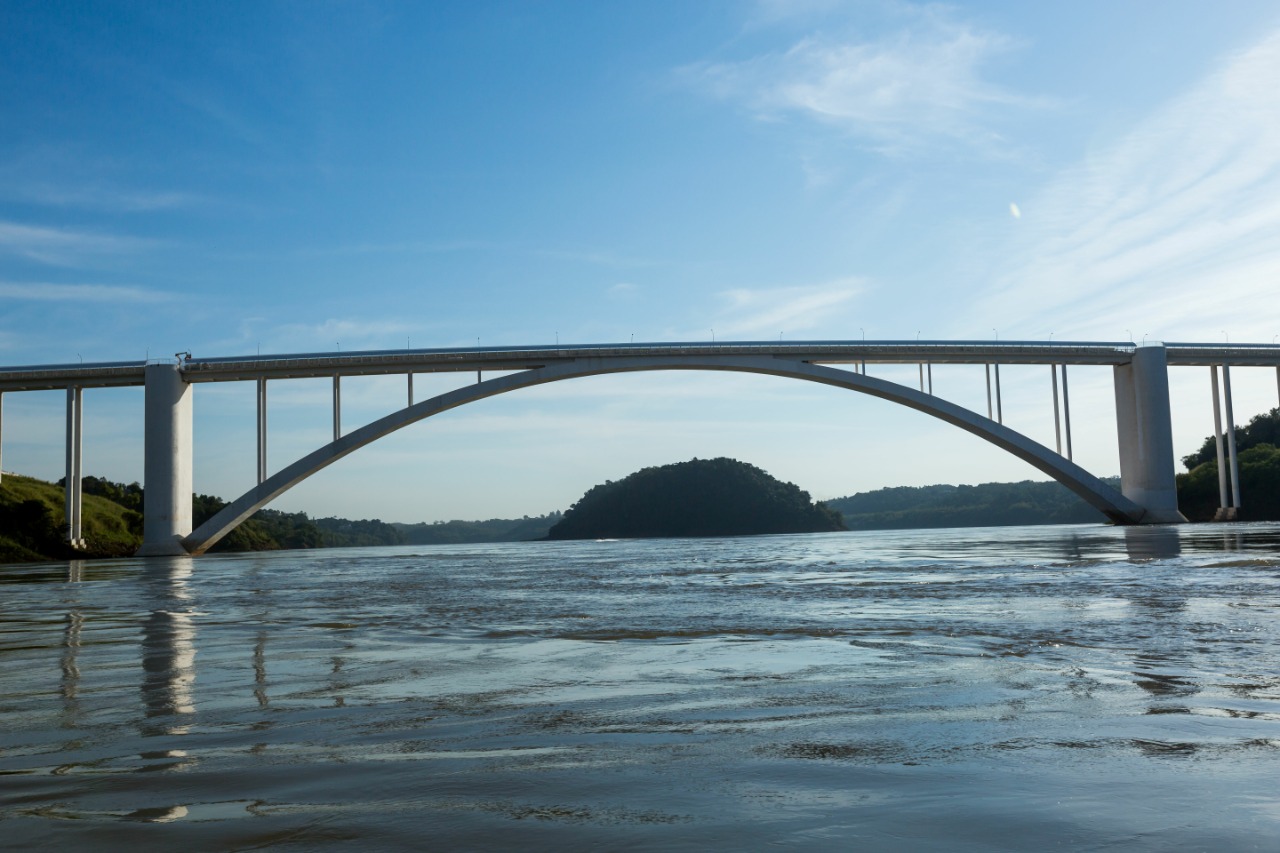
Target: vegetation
x: 1259, y: 460
x: 33, y: 524
x: 707, y: 497
x: 986, y: 505
x: 1262, y: 429
x: 493, y: 530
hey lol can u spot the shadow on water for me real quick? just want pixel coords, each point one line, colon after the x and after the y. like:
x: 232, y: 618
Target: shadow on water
x: 1152, y: 543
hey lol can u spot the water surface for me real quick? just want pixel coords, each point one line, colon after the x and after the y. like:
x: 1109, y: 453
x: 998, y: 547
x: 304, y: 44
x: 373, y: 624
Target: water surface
x: 1017, y: 688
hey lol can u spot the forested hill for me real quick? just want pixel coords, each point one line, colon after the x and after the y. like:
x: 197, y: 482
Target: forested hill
x: 986, y: 505
x: 33, y: 526
x: 702, y: 497
x: 1258, y: 445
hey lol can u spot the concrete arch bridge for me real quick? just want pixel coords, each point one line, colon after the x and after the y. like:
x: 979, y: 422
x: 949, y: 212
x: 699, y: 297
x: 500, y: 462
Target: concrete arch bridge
x: 1147, y: 495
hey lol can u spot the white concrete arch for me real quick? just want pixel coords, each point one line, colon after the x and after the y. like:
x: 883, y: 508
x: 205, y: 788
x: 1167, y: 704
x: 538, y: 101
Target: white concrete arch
x: 1094, y: 491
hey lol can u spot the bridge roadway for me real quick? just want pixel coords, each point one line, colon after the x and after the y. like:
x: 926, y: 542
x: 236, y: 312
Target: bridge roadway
x: 1147, y: 495
x: 374, y: 362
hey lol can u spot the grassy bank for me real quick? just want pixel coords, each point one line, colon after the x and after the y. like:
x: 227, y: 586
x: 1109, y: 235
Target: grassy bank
x: 33, y: 523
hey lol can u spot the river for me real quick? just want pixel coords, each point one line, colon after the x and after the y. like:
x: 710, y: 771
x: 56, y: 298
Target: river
x: 1082, y: 687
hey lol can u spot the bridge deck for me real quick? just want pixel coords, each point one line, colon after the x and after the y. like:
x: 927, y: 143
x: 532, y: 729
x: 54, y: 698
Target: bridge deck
x: 374, y: 362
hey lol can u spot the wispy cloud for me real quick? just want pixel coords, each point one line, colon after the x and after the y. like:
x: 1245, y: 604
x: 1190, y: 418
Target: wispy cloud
x: 919, y: 84
x: 41, y: 291
x: 326, y: 336
x: 1173, y: 228
x: 788, y: 310
x: 63, y: 246
x: 114, y: 199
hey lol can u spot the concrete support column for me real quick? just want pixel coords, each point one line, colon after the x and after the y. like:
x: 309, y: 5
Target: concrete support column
x: 1066, y: 410
x: 1057, y: 415
x: 1233, y: 460
x: 167, y: 481
x: 1145, y: 435
x: 1223, y: 501
x: 410, y: 389
x: 999, y: 407
x: 75, y: 471
x: 262, y: 429
x: 1, y: 436
x: 990, y: 413
x: 337, y: 408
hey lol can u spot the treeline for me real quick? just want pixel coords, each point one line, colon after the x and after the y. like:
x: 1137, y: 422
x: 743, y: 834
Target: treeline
x: 33, y: 525
x: 274, y: 530
x: 493, y: 530
x: 1258, y: 449
x: 985, y: 505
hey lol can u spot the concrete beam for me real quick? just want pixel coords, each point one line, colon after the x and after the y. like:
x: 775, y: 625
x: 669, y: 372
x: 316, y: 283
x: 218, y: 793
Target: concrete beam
x: 167, y: 462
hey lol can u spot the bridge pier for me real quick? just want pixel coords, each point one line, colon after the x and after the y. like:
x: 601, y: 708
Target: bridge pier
x: 167, y: 462
x: 75, y: 461
x: 1145, y: 433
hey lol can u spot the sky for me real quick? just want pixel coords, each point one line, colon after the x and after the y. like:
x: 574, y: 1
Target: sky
x: 233, y: 178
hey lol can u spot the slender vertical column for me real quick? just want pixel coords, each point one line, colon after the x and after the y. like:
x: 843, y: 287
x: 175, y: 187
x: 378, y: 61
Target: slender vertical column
x: 262, y: 429
x: 1066, y: 411
x: 410, y: 389
x: 68, y: 499
x: 1057, y: 418
x: 72, y: 490
x: 1278, y: 384
x: 929, y: 367
x: 1, y: 436
x: 1232, y: 458
x: 864, y: 371
x: 922, y: 377
x: 77, y: 532
x: 166, y: 499
x: 1144, y: 431
x: 999, y: 406
x: 1217, y: 438
x: 990, y: 412
x: 337, y: 407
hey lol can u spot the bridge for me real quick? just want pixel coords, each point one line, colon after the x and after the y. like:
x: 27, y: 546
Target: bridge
x: 1147, y: 493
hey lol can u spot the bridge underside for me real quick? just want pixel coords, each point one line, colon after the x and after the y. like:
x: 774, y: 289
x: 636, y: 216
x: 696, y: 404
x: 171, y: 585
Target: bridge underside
x: 1109, y: 501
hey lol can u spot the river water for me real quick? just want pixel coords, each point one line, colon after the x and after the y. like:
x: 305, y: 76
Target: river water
x: 1082, y: 688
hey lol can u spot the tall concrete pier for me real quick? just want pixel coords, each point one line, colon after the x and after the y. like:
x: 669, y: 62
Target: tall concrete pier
x: 1145, y: 432
x: 167, y: 467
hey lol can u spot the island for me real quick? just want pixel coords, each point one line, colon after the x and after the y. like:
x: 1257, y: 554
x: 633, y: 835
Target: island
x: 701, y: 497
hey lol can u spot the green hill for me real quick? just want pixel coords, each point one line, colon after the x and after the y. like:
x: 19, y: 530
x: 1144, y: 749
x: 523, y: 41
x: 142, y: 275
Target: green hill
x: 985, y: 505
x: 1256, y: 444
x: 33, y: 524
x: 702, y: 497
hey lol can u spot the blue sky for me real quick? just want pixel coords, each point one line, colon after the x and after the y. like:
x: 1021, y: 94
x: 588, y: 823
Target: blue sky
x: 234, y: 177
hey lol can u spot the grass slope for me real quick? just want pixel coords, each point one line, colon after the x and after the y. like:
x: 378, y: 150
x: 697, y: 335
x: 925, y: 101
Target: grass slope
x: 32, y: 523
